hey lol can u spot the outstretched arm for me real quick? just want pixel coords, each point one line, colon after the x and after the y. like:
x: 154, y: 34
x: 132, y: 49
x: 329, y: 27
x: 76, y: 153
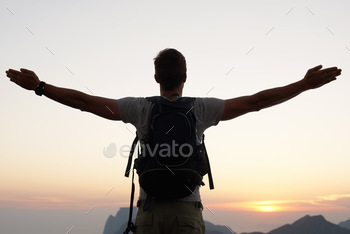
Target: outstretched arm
x: 314, y: 78
x: 104, y: 107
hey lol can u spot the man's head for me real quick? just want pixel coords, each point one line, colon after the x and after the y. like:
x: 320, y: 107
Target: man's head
x: 170, y: 69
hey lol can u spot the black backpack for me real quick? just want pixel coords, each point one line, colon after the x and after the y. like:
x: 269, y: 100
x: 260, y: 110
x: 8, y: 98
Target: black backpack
x: 171, y: 159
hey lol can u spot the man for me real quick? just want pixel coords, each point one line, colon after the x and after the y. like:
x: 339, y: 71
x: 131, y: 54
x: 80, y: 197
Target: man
x: 180, y: 215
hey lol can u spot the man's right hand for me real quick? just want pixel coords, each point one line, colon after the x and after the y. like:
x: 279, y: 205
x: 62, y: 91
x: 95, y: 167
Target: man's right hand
x: 24, y: 78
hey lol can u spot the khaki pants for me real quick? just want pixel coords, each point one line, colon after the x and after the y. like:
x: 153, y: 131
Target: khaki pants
x: 170, y: 217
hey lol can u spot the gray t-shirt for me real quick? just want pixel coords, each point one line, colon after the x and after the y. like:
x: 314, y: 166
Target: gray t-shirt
x: 208, y: 112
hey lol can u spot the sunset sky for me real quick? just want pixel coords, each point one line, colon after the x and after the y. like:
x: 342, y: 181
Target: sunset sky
x: 63, y: 170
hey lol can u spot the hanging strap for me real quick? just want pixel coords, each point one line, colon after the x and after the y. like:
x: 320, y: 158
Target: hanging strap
x: 128, y: 166
x: 210, y: 177
x: 131, y: 226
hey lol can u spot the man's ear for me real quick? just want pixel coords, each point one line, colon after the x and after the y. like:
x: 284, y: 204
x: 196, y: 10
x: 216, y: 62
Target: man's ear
x: 155, y: 77
x: 185, y: 78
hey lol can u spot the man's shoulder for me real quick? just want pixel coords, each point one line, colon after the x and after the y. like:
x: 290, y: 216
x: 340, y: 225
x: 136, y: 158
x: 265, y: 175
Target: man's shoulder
x: 209, y: 101
x: 127, y: 103
x: 131, y: 100
x: 156, y: 99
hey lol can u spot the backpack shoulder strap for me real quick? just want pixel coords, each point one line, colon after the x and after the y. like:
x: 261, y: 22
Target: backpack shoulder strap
x: 128, y: 167
x: 210, y: 177
x: 130, y: 226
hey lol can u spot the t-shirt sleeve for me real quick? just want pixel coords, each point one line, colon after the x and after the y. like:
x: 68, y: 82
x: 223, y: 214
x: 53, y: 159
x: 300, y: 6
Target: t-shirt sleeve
x: 135, y: 110
x: 129, y: 109
x: 208, y: 112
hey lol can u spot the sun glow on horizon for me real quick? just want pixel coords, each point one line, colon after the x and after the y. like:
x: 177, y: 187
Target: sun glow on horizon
x: 257, y: 206
x: 335, y: 202
x: 267, y: 208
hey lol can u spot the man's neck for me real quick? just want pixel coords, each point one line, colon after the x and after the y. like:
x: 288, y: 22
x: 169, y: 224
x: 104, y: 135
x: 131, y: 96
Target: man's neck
x: 171, y: 94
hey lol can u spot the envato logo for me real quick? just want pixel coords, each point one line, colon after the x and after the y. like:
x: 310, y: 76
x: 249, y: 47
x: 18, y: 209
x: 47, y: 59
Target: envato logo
x: 162, y: 150
x: 110, y: 151
x: 166, y: 150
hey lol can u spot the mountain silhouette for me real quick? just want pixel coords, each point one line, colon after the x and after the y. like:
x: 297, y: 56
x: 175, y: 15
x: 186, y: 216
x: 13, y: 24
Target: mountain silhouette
x: 306, y: 225
x: 345, y: 224
x: 117, y: 224
x: 309, y: 225
x: 217, y: 229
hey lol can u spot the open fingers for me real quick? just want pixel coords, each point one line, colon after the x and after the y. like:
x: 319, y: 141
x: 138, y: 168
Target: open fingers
x: 26, y: 71
x: 330, y: 72
x: 315, y: 68
x: 17, y: 76
x: 12, y: 74
x: 25, y: 78
x: 330, y: 69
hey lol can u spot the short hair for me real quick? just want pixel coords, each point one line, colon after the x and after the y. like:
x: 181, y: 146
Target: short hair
x: 170, y: 68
